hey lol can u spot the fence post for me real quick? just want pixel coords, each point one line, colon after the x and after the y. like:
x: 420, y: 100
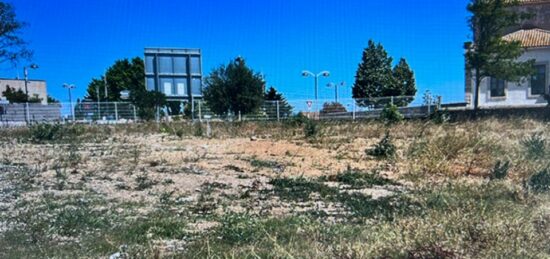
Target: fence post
x: 27, y: 113
x: 240, y: 119
x: 353, y: 112
x: 73, y: 112
x: 392, y: 100
x: 135, y: 114
x: 200, y: 112
x: 429, y: 106
x: 157, y: 114
x: 439, y: 102
x: 278, y: 112
x: 116, y: 111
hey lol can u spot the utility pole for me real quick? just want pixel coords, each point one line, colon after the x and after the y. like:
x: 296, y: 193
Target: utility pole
x: 26, y: 74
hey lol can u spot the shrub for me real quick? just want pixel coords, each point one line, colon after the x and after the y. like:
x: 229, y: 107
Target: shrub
x: 540, y: 182
x: 439, y: 116
x: 45, y: 132
x: 199, y: 131
x: 391, y: 114
x: 358, y: 179
x: 143, y: 182
x: 500, y: 171
x: 384, y: 149
x: 297, y: 120
x: 311, y: 129
x: 535, y: 146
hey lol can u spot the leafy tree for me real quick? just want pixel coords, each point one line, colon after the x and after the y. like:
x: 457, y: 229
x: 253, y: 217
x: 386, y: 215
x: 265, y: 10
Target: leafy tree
x: 128, y: 75
x: 271, y: 97
x: 52, y: 99
x: 405, y: 83
x: 147, y: 102
x: 375, y: 79
x: 489, y: 55
x: 234, y: 88
x: 19, y: 96
x: 333, y: 107
x: 12, y: 47
x: 123, y: 75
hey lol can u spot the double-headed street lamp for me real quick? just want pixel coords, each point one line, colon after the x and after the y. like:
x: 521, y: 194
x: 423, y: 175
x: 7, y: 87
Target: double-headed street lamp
x: 69, y: 87
x: 331, y: 84
x: 306, y: 73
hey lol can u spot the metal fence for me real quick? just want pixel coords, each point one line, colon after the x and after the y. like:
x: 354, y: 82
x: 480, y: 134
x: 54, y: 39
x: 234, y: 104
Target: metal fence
x: 18, y: 114
x: 322, y: 109
x: 123, y: 112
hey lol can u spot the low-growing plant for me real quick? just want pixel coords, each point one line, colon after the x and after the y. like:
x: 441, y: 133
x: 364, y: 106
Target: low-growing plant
x: 199, y: 131
x: 390, y: 114
x: 540, y: 182
x: 384, y: 149
x: 143, y: 182
x: 311, y: 129
x: 358, y: 179
x: 500, y: 170
x: 45, y: 132
x: 440, y: 116
x: 297, y: 120
x: 535, y: 146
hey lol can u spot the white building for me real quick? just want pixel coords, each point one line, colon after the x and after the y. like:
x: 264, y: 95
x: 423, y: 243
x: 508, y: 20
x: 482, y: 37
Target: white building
x: 36, y: 88
x: 529, y: 92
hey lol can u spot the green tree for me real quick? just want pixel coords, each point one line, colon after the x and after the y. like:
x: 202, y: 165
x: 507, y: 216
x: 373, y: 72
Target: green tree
x: 374, y: 74
x: 234, y: 88
x: 489, y: 55
x: 147, y: 102
x: 128, y: 75
x: 51, y: 99
x: 271, y: 98
x: 123, y: 75
x: 18, y: 96
x: 405, y: 83
x: 12, y: 47
x: 375, y: 78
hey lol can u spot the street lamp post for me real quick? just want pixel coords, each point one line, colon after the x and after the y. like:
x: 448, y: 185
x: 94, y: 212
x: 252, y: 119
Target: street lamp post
x: 69, y: 87
x: 26, y: 73
x: 331, y: 84
x: 307, y: 73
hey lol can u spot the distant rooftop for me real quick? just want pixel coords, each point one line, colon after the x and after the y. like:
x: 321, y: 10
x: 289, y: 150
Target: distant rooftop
x: 20, y: 79
x: 172, y: 51
x: 533, y: 38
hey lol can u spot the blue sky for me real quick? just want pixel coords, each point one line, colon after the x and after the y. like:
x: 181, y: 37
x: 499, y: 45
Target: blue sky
x: 76, y: 40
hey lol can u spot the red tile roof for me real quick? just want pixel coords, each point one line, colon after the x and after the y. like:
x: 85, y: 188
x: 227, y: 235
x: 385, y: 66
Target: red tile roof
x: 532, y: 38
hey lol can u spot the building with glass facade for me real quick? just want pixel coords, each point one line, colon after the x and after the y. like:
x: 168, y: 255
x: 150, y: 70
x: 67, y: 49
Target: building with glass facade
x: 175, y: 72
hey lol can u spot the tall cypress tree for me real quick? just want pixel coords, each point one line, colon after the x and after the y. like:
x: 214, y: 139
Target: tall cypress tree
x: 374, y: 75
x: 405, y: 83
x: 271, y: 97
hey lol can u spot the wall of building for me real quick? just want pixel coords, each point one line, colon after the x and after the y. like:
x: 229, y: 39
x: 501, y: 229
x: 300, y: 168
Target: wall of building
x: 34, y: 87
x: 174, y: 72
x: 541, y: 18
x: 517, y: 94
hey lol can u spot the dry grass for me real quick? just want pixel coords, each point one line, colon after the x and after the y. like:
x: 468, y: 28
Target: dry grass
x: 271, y: 192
